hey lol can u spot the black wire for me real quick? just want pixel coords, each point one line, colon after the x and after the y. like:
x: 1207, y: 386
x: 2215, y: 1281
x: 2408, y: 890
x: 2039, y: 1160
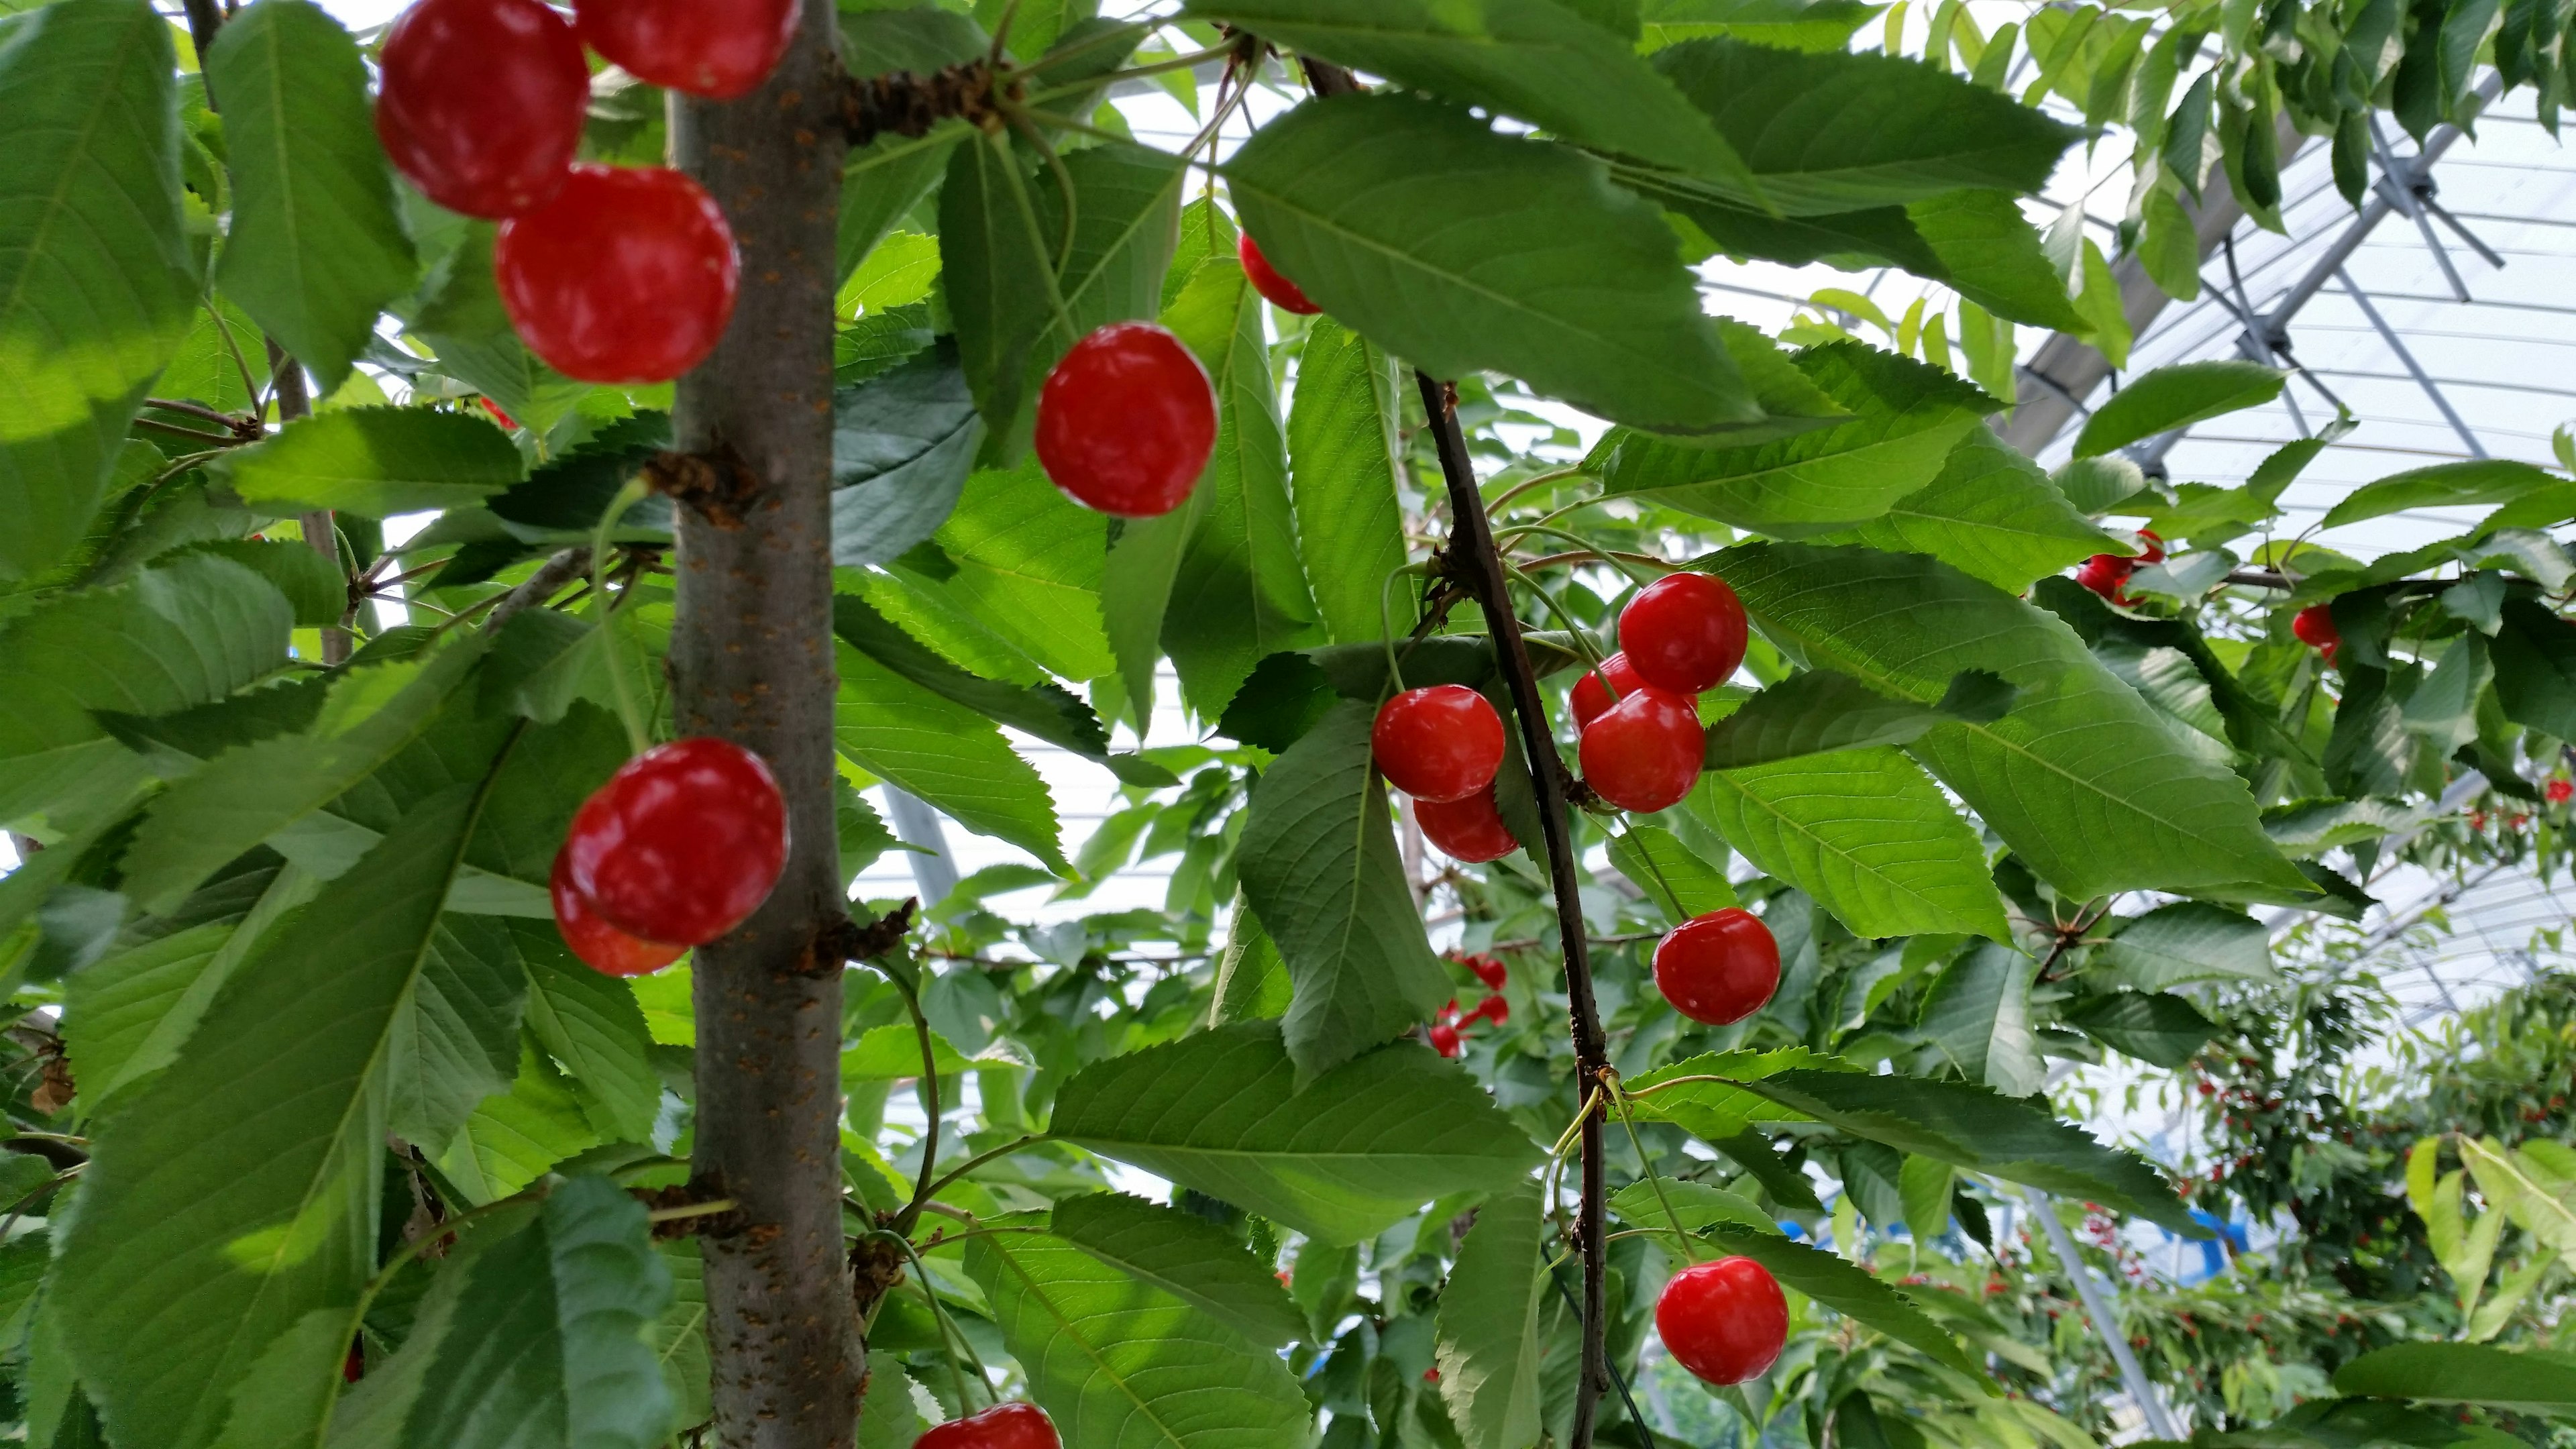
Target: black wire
x: 1617, y: 1379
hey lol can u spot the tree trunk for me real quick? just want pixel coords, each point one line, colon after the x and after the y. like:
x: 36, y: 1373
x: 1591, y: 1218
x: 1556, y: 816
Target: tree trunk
x: 751, y: 661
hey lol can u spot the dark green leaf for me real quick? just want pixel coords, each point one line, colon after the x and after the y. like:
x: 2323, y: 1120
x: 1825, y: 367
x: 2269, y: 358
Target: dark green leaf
x: 945, y: 753
x: 1819, y: 711
x: 2176, y: 397
x: 375, y: 462
x: 1188, y: 1257
x: 1687, y: 1206
x: 591, y: 1024
x: 312, y: 584
x: 902, y: 445
x: 2532, y: 1381
x: 1708, y: 1099
x: 1992, y: 255
x: 1844, y: 1288
x: 1977, y: 1012
x: 2444, y: 485
x: 1488, y: 1341
x: 2535, y: 664
x: 1342, y: 451
x: 2155, y: 1027
x: 463, y: 320
x: 2184, y: 942
x: 1673, y: 876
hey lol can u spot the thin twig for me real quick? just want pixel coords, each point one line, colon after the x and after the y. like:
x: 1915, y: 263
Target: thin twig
x: 540, y: 586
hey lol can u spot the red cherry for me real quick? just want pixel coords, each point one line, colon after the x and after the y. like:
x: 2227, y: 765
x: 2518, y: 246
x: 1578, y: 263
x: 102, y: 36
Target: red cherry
x: 353, y: 1365
x: 482, y: 102
x: 1591, y: 697
x: 2559, y: 791
x: 498, y: 416
x: 2329, y: 649
x: 2151, y: 548
x: 1126, y: 421
x: 1495, y: 1009
x: 1441, y: 744
x: 2315, y: 626
x: 1644, y: 752
x: 714, y: 48
x: 1469, y: 830
x: 2107, y: 574
x: 1718, y: 968
x: 682, y: 843
x: 1683, y: 632
x: 1003, y: 1426
x: 1449, y: 1012
x: 1724, y: 1321
x: 628, y: 275
x: 601, y: 946
x: 1488, y: 970
x: 1444, y: 1039
x: 1283, y: 293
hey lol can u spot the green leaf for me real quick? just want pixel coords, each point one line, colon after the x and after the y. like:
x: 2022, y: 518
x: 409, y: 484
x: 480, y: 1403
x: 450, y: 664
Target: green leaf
x: 515, y: 1138
x: 1136, y: 596
x: 1819, y: 711
x: 2155, y: 1027
x: 2444, y: 485
x: 2176, y: 397
x: 96, y: 283
x: 1188, y: 1257
x: 892, y: 1053
x: 1865, y: 834
x: 1671, y: 874
x: 1837, y: 132
x: 1528, y: 58
x: 374, y: 462
x: 1251, y: 980
x: 547, y: 1344
x: 1978, y: 1013
x: 1364, y: 1146
x: 680, y: 1343
x: 286, y: 1394
x: 313, y: 585
x: 1992, y: 256
x: 1992, y: 515
x: 2532, y: 1381
x: 1819, y: 25
x: 1487, y: 1339
x: 1461, y: 250
x: 591, y: 1024
x: 1907, y: 416
x: 1694, y: 1206
x: 902, y: 445
x: 945, y: 753
x: 1119, y: 1363
x: 1972, y: 1128
x: 1342, y: 450
x: 2083, y: 779
x: 1844, y: 1288
x: 462, y: 318
x: 2535, y: 669
x: 1319, y: 865
x: 2185, y: 942
x: 1713, y: 1105
x: 1028, y: 566
x: 1047, y: 711
x: 307, y: 1029
x: 316, y: 248
x: 459, y: 1041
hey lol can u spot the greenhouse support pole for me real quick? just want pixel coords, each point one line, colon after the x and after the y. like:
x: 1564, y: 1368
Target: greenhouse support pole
x: 934, y: 870
x: 2097, y: 1306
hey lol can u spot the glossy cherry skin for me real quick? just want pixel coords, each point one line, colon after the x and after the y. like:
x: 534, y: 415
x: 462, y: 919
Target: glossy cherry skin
x: 1469, y: 830
x: 1003, y: 1426
x: 2107, y: 574
x: 1283, y: 293
x: 1494, y: 1009
x: 1683, y: 632
x: 719, y: 49
x: 1438, y: 744
x: 2559, y: 792
x: 1644, y: 752
x: 1590, y: 698
x: 2151, y: 548
x: 1444, y: 1039
x: 682, y: 843
x: 2315, y: 626
x: 1126, y: 421
x: 482, y: 102
x: 601, y: 946
x: 628, y: 275
x: 1718, y: 968
x: 1487, y: 969
x: 1724, y: 1321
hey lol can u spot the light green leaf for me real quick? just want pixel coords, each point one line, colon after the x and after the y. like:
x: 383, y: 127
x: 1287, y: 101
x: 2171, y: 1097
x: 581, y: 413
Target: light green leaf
x: 1865, y: 834
x: 1978, y: 1013
x: 1028, y: 567
x: 2532, y: 1381
x: 2185, y: 942
x: 1993, y: 256
x: 1824, y: 25
x: 1319, y: 866
x: 1136, y: 595
x: 316, y: 248
x: 1671, y: 874
x: 889, y: 1417
x: 680, y: 1344
x: 1342, y: 451
x: 284, y: 1397
x: 1122, y: 1364
x: 1188, y: 1257
x: 1820, y: 711
x: 2082, y: 779
x: 513, y: 1139
x: 1045, y: 710
x: 1488, y: 1342
x: 1713, y: 1105
x: 459, y: 1041
x: 2444, y: 485
x: 945, y: 753
x: 1694, y: 1206
x: 1461, y: 250
x: 1844, y: 1288
x: 96, y: 282
x: 463, y: 320
x: 374, y: 462
x: 1992, y: 515
x: 1368, y: 1143
x: 2176, y: 397
x: 591, y: 1025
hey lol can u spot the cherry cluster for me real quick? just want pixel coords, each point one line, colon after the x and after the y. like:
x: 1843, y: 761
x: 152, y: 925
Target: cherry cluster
x: 1447, y: 1027
x: 680, y: 846
x: 2107, y: 574
x: 611, y: 274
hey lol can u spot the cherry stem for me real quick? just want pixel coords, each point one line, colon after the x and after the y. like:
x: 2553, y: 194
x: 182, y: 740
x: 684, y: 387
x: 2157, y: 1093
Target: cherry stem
x: 1580, y: 543
x: 988, y: 1155
x: 1628, y: 1119
x: 1583, y: 640
x: 963, y: 1352
x: 922, y: 1185
x: 1526, y: 484
x: 1386, y: 626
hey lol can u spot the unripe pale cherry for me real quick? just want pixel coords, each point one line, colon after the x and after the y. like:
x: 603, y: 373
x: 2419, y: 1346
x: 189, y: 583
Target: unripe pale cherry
x: 1469, y: 830
x: 1126, y: 421
x: 601, y: 946
x: 682, y: 844
x: 1003, y: 1426
x: 1684, y: 632
x: 482, y: 102
x: 1442, y: 743
x: 627, y: 275
x: 1724, y: 1321
x: 1718, y: 968
x: 719, y: 49
x: 1283, y: 293
x: 1590, y: 698
x: 1644, y: 752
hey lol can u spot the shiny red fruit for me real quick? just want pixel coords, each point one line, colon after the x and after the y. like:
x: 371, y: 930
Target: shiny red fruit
x: 482, y: 102
x: 1003, y: 1426
x: 1683, y: 632
x: 1441, y: 744
x: 1283, y: 293
x: 1469, y: 830
x: 2559, y: 791
x: 1591, y: 697
x: 1488, y: 970
x: 1724, y: 1321
x: 2315, y: 626
x: 1444, y: 1039
x: 601, y: 946
x: 1718, y: 968
x: 682, y: 843
x: 1126, y: 421
x: 2151, y: 548
x: 1644, y: 752
x: 2106, y: 574
x: 498, y: 416
x: 714, y: 48
x: 628, y: 275
x: 1494, y: 1009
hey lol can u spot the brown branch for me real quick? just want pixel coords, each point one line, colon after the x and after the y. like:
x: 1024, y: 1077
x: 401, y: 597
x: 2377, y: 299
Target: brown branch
x: 540, y: 586
x: 905, y: 104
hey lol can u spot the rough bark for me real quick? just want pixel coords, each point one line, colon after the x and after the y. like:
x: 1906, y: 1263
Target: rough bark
x: 751, y: 661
